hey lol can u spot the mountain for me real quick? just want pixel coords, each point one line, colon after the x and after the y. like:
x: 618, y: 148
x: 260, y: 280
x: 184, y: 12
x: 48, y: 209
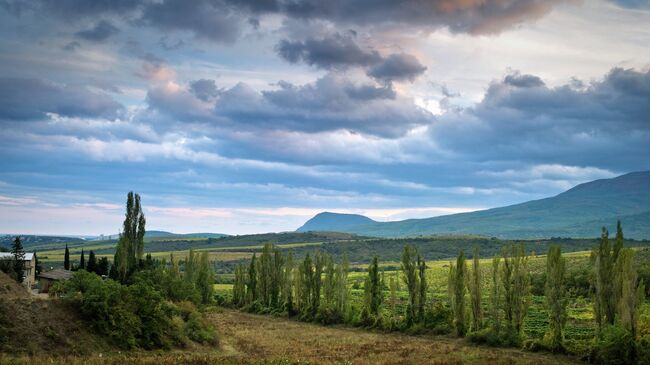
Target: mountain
x: 328, y: 221
x: 577, y: 212
x: 165, y: 234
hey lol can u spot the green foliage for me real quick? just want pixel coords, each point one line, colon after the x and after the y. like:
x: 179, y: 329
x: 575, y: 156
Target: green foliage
x: 474, y: 286
x: 373, y: 292
x: 515, y: 280
x: 18, y: 261
x: 136, y: 315
x: 130, y: 246
x: 615, y: 346
x: 457, y: 275
x: 555, y: 298
x: 410, y: 279
x: 66, y: 258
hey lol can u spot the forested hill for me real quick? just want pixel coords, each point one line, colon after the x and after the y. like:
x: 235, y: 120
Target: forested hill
x: 578, y: 212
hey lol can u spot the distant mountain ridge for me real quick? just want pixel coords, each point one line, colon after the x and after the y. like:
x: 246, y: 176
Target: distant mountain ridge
x: 325, y: 220
x: 577, y: 212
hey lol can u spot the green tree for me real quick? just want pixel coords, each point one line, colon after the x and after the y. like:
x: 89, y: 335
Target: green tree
x: 495, y: 296
x: 103, y: 266
x: 515, y: 279
x: 373, y: 289
x: 475, y: 292
x: 458, y: 275
x: 251, y: 285
x: 632, y: 292
x: 555, y: 297
x: 92, y: 263
x: 411, y: 280
x: 82, y: 260
x: 239, y: 286
x: 205, y: 279
x: 342, y: 291
x: 422, y: 287
x: 18, y: 260
x: 130, y: 246
x: 603, y: 283
x: 288, y: 285
x: 66, y: 258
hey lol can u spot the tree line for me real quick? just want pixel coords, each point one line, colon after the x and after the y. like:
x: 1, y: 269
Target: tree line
x: 316, y: 289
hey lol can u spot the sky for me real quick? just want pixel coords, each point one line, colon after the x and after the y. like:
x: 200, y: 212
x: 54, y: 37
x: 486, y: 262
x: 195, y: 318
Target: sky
x: 253, y: 115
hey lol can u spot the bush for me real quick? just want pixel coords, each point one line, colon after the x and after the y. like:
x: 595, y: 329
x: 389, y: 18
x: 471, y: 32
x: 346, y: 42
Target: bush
x: 615, y: 346
x: 137, y: 315
x: 643, y: 350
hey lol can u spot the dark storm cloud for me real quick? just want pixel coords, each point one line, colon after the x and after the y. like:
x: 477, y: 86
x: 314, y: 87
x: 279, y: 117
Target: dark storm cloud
x: 24, y: 99
x: 204, y: 89
x: 519, y: 80
x: 335, y: 51
x: 73, y: 9
x: 592, y: 125
x: 460, y: 16
x: 100, y: 32
x: 331, y: 103
x: 206, y: 19
x: 397, y: 67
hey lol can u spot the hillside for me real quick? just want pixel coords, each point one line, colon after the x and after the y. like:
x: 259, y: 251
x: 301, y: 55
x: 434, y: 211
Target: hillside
x: 577, y: 212
x: 328, y: 221
x: 29, y: 325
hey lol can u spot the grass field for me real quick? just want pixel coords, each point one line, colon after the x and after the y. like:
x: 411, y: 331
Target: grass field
x: 255, y: 339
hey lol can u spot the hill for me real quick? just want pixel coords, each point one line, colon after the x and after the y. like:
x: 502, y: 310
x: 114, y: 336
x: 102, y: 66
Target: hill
x: 577, y: 212
x: 328, y: 221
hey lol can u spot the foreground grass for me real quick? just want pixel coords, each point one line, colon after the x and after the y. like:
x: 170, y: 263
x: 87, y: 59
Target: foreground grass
x: 254, y: 339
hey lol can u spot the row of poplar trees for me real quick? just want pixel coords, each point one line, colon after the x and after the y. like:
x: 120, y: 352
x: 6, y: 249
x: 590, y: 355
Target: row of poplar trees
x: 618, y: 293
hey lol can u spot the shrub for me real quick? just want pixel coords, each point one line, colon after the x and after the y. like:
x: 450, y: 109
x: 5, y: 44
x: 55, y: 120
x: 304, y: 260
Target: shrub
x: 643, y: 350
x: 615, y: 346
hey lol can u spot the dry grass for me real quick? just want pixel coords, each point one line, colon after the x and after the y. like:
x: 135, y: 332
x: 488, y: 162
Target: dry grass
x: 253, y: 339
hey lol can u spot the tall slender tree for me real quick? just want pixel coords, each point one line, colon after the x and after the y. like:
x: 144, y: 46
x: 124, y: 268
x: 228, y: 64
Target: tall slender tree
x: 459, y: 275
x: 555, y: 297
x: 475, y: 292
x: 130, y: 246
x: 18, y: 259
x: 411, y: 280
x: 422, y: 287
x: 373, y: 289
x: 632, y: 291
x: 495, y: 296
x: 603, y: 264
x: 205, y: 278
x: 82, y: 260
x: 91, y: 266
x: 66, y: 258
x: 251, y: 285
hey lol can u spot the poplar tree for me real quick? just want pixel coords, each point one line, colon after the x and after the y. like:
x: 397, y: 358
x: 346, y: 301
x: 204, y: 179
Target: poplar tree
x: 288, y: 285
x: 92, y: 263
x: 475, y: 292
x: 555, y: 297
x: 459, y: 275
x: 495, y: 296
x: 319, y: 262
x: 18, y: 259
x: 521, y: 288
x: 130, y: 246
x: 329, y: 284
x: 410, y: 279
x: 307, y: 285
x: 373, y: 289
x: 82, y: 260
x: 603, y: 264
x: 239, y: 287
x: 632, y: 292
x: 205, y: 278
x: 66, y: 258
x: 277, y: 284
x: 342, y: 291
x: 422, y: 287
x: 251, y: 287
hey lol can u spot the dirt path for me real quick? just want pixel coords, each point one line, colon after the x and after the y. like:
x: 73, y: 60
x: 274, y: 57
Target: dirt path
x: 254, y: 337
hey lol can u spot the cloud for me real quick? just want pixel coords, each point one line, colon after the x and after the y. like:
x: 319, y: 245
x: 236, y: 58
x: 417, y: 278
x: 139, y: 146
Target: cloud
x: 204, y: 89
x: 335, y: 51
x: 24, y: 99
x: 467, y: 16
x: 632, y: 4
x: 397, y: 67
x: 100, y: 32
x: 204, y: 18
x: 333, y: 102
x: 575, y: 124
x: 72, y: 9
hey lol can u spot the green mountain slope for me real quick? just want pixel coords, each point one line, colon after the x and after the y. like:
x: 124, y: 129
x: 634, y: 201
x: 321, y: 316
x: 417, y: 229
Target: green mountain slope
x: 578, y: 212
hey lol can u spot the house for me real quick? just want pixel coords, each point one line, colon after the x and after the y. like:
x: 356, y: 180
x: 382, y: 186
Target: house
x: 48, y: 278
x: 29, y: 274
